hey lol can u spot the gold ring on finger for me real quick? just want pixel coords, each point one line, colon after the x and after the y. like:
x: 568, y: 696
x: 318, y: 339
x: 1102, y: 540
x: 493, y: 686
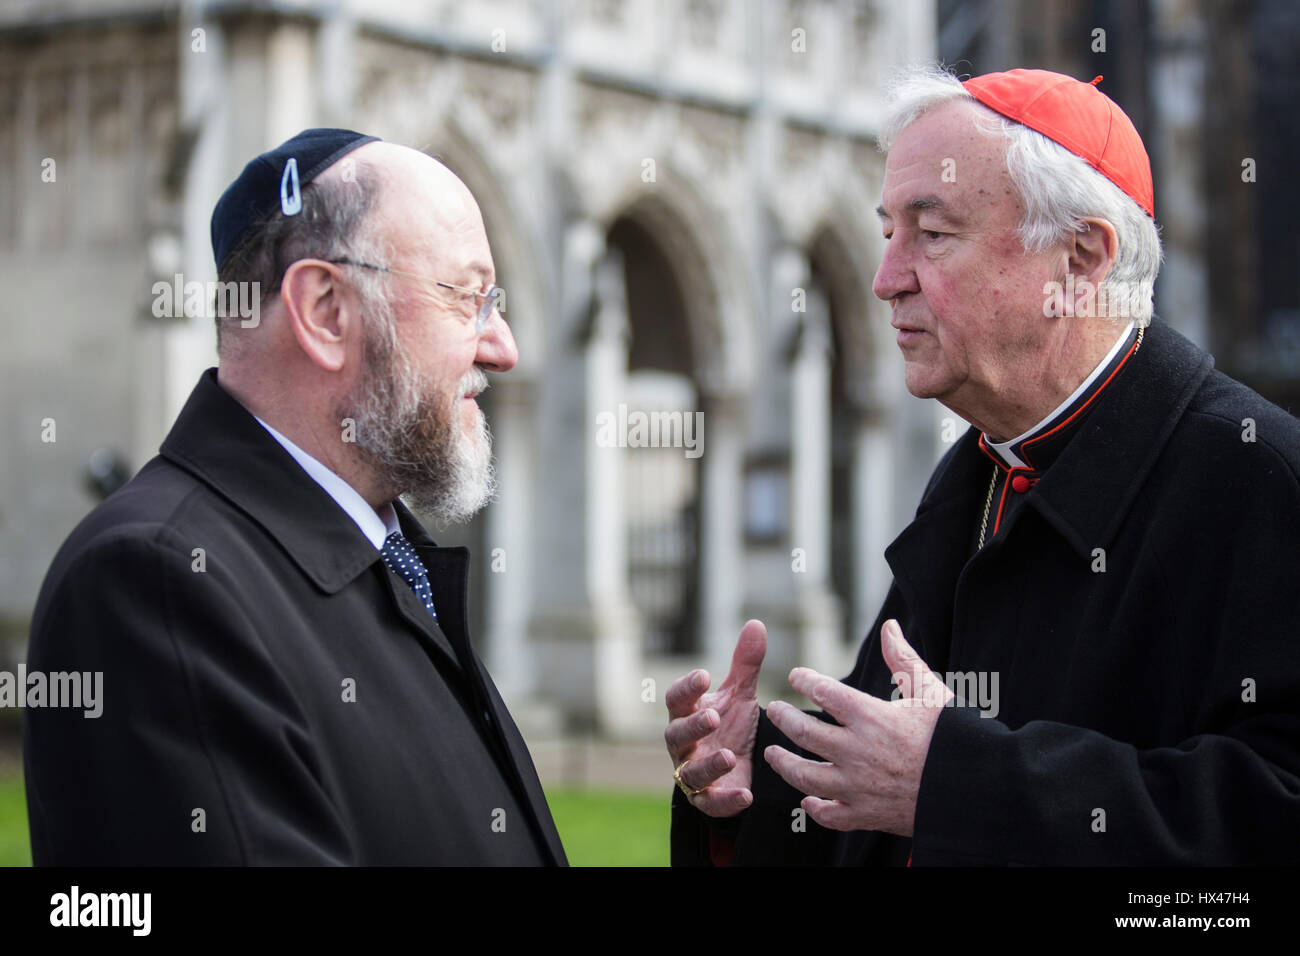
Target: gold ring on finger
x: 681, y: 784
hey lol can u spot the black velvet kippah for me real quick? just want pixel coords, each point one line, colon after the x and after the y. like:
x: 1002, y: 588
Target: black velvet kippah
x: 274, y: 181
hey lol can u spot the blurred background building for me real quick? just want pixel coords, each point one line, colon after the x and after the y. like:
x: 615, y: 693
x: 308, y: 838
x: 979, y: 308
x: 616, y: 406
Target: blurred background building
x: 679, y: 197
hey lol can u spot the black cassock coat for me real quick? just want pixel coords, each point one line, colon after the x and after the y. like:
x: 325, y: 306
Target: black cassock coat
x: 279, y: 697
x: 1149, y: 713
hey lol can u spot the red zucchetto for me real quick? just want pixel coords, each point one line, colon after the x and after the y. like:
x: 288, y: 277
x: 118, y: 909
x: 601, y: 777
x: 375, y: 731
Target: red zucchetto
x: 1077, y: 115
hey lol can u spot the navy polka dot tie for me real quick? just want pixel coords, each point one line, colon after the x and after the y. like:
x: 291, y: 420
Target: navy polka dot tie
x: 406, y: 564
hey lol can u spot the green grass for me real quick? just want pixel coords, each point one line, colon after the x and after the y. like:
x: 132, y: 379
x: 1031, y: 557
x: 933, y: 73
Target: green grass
x: 599, y: 828
x: 610, y: 828
x: 15, y: 849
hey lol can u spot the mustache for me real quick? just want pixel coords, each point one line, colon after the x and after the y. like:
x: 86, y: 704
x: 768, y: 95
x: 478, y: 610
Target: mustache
x: 473, y: 381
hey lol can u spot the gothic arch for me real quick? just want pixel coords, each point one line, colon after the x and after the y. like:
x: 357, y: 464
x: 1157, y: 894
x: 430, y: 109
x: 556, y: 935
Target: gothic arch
x: 706, y: 260
x: 846, y: 246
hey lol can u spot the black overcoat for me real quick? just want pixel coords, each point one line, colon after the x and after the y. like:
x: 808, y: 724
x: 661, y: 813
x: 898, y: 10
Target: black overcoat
x: 272, y: 693
x: 1149, y: 702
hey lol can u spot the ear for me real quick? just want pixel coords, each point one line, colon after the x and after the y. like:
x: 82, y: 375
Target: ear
x: 1090, y: 257
x: 320, y: 315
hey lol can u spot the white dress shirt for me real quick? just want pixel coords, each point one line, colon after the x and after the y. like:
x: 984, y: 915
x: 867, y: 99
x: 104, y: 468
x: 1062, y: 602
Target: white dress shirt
x: 376, y: 526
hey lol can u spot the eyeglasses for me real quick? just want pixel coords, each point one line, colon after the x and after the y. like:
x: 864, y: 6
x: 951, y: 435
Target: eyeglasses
x: 485, y: 310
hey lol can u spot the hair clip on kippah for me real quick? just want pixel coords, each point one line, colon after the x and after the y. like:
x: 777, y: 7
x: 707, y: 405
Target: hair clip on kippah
x: 290, y: 201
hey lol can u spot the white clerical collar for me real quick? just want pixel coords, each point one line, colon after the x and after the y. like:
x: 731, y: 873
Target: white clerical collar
x: 1006, y: 449
x: 376, y: 526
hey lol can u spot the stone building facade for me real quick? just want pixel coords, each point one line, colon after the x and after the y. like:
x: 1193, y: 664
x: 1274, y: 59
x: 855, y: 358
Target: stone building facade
x: 680, y: 199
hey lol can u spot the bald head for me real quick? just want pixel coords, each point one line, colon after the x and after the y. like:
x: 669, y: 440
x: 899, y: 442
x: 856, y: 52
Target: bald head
x: 379, y: 202
x: 412, y: 173
x: 425, y: 215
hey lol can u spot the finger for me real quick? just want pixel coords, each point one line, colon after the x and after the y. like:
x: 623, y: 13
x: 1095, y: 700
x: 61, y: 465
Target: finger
x: 808, y: 732
x: 685, y: 692
x: 901, y: 659
x: 747, y: 660
x: 684, y: 732
x: 698, y: 774
x: 912, y: 675
x: 722, y: 803
x: 832, y: 814
x: 808, y: 776
x: 839, y: 700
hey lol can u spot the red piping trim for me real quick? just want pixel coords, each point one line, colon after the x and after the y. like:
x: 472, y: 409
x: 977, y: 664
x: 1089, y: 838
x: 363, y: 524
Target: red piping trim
x: 1024, y: 447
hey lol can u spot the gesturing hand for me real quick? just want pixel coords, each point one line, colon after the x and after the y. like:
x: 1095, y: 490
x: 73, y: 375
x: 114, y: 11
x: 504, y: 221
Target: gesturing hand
x: 874, y: 758
x: 710, y: 737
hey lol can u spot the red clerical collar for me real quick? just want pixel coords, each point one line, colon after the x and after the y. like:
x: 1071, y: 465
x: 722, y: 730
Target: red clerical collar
x: 1038, y: 447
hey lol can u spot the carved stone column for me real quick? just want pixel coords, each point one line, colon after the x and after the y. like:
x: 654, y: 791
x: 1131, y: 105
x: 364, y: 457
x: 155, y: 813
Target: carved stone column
x: 872, y: 477
x: 508, y: 538
x: 588, y: 653
x: 817, y: 610
x: 721, y: 559
x: 189, y: 345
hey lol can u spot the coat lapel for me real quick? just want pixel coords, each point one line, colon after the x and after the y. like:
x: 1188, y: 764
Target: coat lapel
x: 928, y: 557
x: 409, y: 606
x: 448, y: 570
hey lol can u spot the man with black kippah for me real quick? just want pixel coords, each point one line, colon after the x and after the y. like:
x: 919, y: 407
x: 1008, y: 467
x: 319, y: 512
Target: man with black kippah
x: 287, y: 668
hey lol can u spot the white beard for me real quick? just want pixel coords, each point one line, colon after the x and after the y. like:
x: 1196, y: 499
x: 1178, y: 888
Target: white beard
x: 412, y: 435
x: 471, y: 483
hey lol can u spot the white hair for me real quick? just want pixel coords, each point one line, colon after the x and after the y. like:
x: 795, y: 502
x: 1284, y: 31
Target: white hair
x: 1057, y: 187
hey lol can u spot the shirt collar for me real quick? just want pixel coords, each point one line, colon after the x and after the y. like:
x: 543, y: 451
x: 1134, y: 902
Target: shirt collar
x: 1016, y: 452
x: 376, y: 526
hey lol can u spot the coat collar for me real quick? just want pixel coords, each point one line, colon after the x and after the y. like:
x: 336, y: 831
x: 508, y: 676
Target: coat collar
x: 1090, y: 488
x: 1084, y: 496
x: 1037, y: 450
x: 220, y: 443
